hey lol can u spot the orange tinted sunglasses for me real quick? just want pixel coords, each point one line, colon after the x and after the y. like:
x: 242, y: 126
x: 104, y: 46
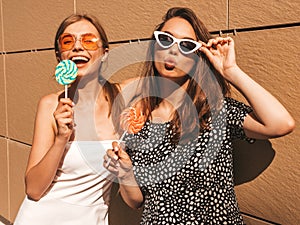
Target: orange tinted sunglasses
x: 88, y: 41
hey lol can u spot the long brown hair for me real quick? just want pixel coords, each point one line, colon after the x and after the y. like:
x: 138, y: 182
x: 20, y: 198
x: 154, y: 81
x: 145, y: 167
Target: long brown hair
x: 206, y: 87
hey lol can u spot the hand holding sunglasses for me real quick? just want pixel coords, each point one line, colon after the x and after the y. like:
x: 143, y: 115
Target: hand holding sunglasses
x: 88, y: 41
x: 220, y: 52
x: 166, y: 40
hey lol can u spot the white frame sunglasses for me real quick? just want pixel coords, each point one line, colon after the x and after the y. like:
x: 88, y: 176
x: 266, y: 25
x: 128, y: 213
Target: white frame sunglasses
x: 174, y: 40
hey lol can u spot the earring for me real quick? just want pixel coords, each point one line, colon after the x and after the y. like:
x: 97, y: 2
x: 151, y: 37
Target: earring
x: 57, y: 56
x: 104, y: 57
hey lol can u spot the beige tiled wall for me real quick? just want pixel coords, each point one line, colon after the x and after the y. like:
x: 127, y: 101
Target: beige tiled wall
x: 4, y: 186
x: 261, y: 13
x: 267, y: 172
x: 273, y: 194
x: 3, y: 130
x: 31, y: 77
x: 18, y: 154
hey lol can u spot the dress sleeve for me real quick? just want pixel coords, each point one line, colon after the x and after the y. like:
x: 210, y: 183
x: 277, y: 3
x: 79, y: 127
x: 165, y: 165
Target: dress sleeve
x: 236, y: 114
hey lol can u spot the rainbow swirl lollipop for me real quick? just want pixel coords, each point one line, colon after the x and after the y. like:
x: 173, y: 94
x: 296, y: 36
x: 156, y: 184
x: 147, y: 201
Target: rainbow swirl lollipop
x: 66, y: 73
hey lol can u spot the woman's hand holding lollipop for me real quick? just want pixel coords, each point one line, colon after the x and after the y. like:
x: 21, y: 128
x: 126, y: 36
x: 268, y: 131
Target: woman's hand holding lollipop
x: 117, y: 160
x: 65, y: 74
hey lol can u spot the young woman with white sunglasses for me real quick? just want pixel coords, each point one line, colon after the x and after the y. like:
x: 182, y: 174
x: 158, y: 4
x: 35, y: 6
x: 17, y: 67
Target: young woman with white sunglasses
x: 182, y: 157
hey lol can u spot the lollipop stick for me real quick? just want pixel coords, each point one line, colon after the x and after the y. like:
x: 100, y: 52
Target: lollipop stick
x: 66, y: 91
x: 123, y: 135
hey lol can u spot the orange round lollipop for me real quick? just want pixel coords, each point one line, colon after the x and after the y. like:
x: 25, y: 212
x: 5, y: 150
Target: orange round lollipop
x: 132, y: 120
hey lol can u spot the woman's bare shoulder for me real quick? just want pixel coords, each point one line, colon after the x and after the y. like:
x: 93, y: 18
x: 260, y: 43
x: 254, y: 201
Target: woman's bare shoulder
x: 49, y: 102
x: 128, y: 82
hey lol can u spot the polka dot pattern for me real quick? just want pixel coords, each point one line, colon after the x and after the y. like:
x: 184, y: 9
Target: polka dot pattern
x: 189, y: 183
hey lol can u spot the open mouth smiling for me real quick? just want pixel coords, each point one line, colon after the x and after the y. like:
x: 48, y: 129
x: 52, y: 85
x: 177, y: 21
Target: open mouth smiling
x: 80, y: 60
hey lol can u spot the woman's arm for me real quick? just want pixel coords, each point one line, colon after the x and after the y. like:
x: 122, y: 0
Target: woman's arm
x: 120, y: 165
x: 53, y: 128
x: 269, y: 119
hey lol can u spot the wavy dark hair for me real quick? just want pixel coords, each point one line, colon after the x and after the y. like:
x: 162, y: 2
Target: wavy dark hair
x: 206, y: 87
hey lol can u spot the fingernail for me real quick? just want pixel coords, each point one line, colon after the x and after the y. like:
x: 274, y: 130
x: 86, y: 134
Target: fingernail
x: 73, y: 104
x: 116, y: 149
x: 107, y: 163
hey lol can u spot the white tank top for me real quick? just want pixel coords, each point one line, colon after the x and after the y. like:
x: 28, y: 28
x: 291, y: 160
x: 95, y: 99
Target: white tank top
x: 79, y: 193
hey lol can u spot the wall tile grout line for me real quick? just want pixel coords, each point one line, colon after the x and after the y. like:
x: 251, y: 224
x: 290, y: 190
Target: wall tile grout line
x: 75, y: 7
x: 228, y: 14
x: 227, y: 31
x: 4, y: 221
x: 15, y: 140
x: 6, y: 105
x: 260, y: 219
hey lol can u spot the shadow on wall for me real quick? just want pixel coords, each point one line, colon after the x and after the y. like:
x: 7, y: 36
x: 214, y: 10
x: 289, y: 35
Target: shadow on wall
x: 250, y: 160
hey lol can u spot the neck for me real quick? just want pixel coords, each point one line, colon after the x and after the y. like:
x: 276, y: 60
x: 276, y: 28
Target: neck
x: 173, y: 87
x: 85, y: 89
x: 173, y: 96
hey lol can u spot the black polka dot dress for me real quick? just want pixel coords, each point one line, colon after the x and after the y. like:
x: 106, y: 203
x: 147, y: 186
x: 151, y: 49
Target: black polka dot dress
x: 191, y: 182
